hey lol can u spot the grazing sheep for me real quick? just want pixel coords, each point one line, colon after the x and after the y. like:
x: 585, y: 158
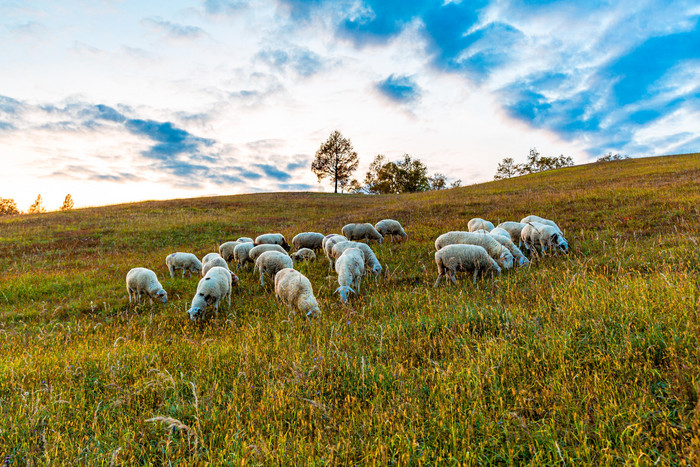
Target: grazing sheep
x: 479, y: 223
x: 271, y: 262
x: 185, y: 261
x: 536, y: 235
x: 328, y: 237
x: 272, y: 239
x: 212, y: 263
x: 304, y: 254
x: 226, y: 250
x: 257, y: 250
x: 216, y: 285
x: 142, y: 280
x: 504, y: 239
x: 498, y: 252
x: 501, y: 231
x: 209, y: 256
x: 541, y: 220
x: 391, y: 228
x: 513, y: 229
x: 241, y: 254
x: 453, y: 258
x: 362, y: 232
x: 294, y: 289
x: 371, y: 261
x: 245, y: 240
x: 328, y: 243
x: 310, y: 240
x: 350, y: 267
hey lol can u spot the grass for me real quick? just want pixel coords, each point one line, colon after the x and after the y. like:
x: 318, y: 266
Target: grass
x: 593, y: 358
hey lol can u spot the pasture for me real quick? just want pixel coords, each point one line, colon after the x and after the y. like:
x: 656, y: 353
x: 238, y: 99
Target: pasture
x: 590, y: 358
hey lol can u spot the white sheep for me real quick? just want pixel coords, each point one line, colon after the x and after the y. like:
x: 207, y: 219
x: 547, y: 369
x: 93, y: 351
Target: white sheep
x: 187, y: 262
x: 226, y: 250
x: 535, y: 235
x: 391, y: 228
x: 271, y: 262
x: 459, y: 257
x: 371, y: 261
x: 272, y: 239
x: 212, y: 263
x: 513, y: 229
x: 329, y: 242
x: 216, y: 285
x: 304, y: 254
x: 241, y: 254
x: 364, y: 231
x: 245, y: 240
x: 503, y: 237
x: 294, y: 289
x: 142, y: 280
x: 498, y: 252
x: 328, y: 237
x: 257, y: 250
x: 310, y: 240
x: 350, y: 267
x: 541, y: 220
x: 209, y: 256
x: 479, y: 223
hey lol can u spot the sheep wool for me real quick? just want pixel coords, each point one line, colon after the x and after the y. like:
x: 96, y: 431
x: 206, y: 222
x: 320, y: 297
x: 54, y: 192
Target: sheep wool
x: 328, y: 243
x: 478, y: 223
x: 310, y: 240
x: 270, y: 263
x: 187, y: 262
x: 213, y: 287
x: 540, y: 237
x: 245, y: 240
x: 350, y: 267
x: 212, y: 263
x: 226, y: 250
x: 272, y: 239
x: 257, y: 250
x: 210, y: 256
x: 513, y: 229
x: 144, y: 281
x: 503, y: 238
x: 532, y: 218
x: 241, y: 254
x: 362, y: 232
x: 371, y: 261
x: 453, y: 258
x: 294, y: 289
x: 304, y: 254
x: 497, y: 251
x: 391, y: 228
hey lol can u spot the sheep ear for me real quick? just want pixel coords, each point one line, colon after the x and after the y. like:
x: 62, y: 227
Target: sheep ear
x: 208, y: 299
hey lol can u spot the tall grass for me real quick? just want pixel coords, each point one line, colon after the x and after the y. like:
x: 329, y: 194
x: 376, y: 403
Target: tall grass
x: 590, y: 358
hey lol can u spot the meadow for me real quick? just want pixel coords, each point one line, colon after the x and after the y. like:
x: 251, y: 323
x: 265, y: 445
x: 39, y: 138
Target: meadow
x: 586, y: 358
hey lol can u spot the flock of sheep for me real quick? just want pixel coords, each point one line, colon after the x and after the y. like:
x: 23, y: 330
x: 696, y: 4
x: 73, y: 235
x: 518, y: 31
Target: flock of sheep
x: 483, y: 249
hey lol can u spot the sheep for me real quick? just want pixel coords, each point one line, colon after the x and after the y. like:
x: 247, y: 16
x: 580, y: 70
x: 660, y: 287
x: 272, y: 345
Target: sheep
x: 185, y: 261
x: 391, y: 228
x: 541, y: 220
x: 272, y: 239
x: 245, y: 240
x: 459, y: 257
x: 310, y: 240
x: 479, y: 223
x: 328, y: 237
x: 304, y: 254
x: 294, y: 289
x: 216, y: 285
x: 271, y: 262
x: 328, y: 243
x: 350, y: 267
x: 498, y: 252
x: 513, y: 229
x: 362, y: 232
x: 214, y: 262
x: 503, y: 237
x: 257, y: 250
x: 142, y: 280
x: 501, y: 231
x: 371, y: 261
x: 535, y: 234
x: 226, y: 250
x: 209, y: 256
x: 241, y: 254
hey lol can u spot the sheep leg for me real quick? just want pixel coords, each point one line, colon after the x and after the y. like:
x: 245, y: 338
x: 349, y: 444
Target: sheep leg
x: 262, y: 280
x: 437, y: 282
x: 452, y: 276
x: 172, y: 272
x: 129, y: 290
x: 476, y: 273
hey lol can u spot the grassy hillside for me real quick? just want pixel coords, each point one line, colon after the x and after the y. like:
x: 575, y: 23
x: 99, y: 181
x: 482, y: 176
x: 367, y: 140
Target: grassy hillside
x: 591, y: 358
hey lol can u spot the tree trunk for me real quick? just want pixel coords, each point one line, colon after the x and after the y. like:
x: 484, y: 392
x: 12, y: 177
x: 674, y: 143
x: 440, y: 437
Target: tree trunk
x: 336, y: 174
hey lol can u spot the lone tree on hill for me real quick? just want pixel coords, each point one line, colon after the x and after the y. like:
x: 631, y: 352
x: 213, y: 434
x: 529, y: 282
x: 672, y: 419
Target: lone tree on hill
x: 8, y: 207
x: 37, y: 207
x: 335, y: 159
x: 67, y: 203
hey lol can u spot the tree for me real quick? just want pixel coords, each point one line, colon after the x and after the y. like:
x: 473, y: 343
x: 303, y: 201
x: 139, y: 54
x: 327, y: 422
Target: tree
x: 404, y: 176
x: 456, y: 184
x: 67, y: 203
x: 506, y: 168
x: 535, y: 163
x: 335, y: 159
x: 8, y: 207
x: 438, y: 181
x: 609, y: 157
x: 37, y: 207
x: 412, y: 175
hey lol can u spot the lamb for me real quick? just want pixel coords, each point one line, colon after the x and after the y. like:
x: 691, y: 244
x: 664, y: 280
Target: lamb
x: 350, y: 267
x: 216, y: 285
x: 371, y: 261
x: 498, y: 252
x: 328, y: 243
x: 503, y: 238
x: 304, y: 254
x: 142, y: 280
x: 391, y: 228
x: 217, y: 261
x: 479, y: 223
x: 514, y: 229
x: 362, y: 232
x: 536, y: 235
x: 294, y: 289
x: 226, y: 250
x: 241, y: 254
x: 257, y: 250
x: 271, y: 262
x: 459, y: 257
x: 245, y: 240
x: 541, y: 220
x: 310, y: 240
x: 272, y: 239
x: 185, y: 261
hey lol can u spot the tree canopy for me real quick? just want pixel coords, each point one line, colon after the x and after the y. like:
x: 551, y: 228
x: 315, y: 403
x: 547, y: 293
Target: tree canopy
x: 335, y: 159
x: 535, y: 163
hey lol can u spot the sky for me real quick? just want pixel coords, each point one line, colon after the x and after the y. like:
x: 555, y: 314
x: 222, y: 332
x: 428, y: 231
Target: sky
x: 118, y: 100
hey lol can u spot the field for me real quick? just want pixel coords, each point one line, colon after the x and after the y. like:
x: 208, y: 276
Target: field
x: 590, y: 358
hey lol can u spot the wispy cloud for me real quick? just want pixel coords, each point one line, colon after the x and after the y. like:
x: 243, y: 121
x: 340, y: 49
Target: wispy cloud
x: 173, y: 30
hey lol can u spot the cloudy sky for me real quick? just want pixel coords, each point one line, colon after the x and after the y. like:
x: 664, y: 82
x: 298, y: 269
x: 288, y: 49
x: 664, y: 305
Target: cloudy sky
x: 120, y: 100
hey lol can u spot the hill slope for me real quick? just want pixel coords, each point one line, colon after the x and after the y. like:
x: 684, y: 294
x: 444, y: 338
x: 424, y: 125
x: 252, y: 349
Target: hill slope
x: 590, y: 358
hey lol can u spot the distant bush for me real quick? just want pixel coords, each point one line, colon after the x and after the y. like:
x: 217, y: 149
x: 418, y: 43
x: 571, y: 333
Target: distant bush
x: 609, y: 157
x: 535, y: 163
x: 67, y: 203
x: 8, y: 207
x: 37, y: 206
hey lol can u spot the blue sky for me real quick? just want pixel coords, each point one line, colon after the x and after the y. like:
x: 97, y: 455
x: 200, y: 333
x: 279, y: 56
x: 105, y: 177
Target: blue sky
x: 117, y: 101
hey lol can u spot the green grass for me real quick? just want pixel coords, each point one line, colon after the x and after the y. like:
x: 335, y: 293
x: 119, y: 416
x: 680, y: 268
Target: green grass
x: 592, y: 358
